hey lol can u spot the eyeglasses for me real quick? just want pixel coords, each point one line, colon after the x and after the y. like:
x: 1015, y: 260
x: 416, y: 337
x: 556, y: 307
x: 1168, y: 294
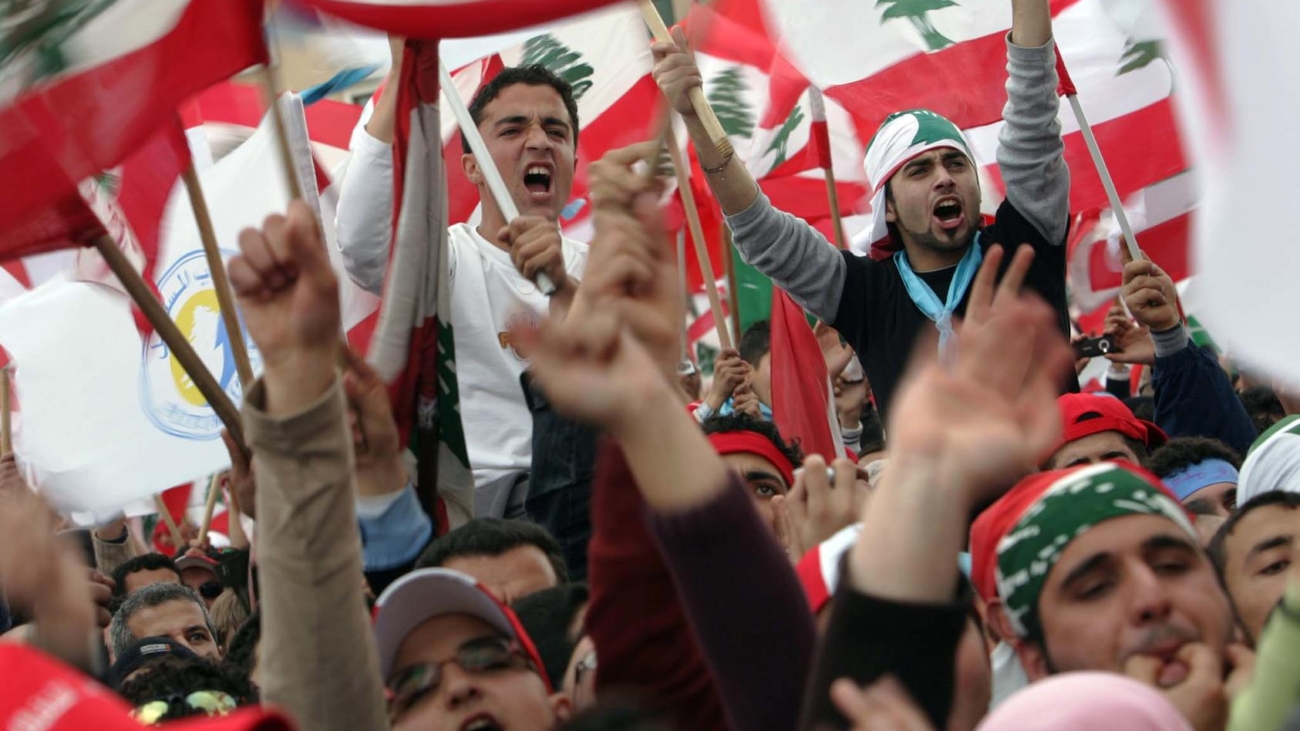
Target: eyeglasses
x: 210, y: 589
x: 178, y: 705
x: 481, y: 656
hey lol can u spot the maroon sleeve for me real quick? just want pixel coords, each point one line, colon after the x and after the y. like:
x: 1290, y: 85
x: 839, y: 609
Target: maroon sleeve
x: 746, y: 606
x: 643, y: 639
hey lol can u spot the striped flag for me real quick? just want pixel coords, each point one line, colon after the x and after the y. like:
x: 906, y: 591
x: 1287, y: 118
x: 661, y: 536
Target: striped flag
x: 413, y: 348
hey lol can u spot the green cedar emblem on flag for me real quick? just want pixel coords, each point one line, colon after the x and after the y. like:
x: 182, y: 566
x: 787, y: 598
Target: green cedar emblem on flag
x: 32, y: 33
x: 917, y: 12
x: 726, y: 94
x: 781, y: 141
x: 560, y: 60
x: 1139, y: 55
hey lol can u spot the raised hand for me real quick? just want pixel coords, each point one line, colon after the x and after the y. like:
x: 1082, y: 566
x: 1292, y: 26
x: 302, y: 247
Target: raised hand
x: 817, y: 508
x: 988, y: 419
x: 676, y: 72
x: 289, y: 297
x: 745, y: 401
x: 631, y: 267
x: 243, y: 484
x: 1150, y: 295
x: 375, y: 438
x: 592, y: 369
x: 1133, y: 341
x: 729, y: 372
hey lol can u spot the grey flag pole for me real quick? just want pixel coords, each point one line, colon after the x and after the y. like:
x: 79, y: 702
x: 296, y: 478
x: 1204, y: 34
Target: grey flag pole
x: 1107, y: 182
x: 496, y: 184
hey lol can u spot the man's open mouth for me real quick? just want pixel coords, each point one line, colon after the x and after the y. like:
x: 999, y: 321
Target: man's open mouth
x: 481, y: 723
x: 537, y: 179
x: 948, y: 213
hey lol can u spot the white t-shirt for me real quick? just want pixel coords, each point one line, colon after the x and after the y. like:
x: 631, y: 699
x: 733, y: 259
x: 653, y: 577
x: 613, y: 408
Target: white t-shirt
x: 487, y: 295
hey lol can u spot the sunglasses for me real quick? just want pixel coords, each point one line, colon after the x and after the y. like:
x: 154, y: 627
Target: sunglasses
x: 210, y: 589
x: 482, y: 656
x: 179, y: 705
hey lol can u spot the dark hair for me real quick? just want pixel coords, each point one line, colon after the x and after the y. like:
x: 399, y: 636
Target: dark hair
x: 243, y: 646
x: 171, y: 675
x: 745, y: 422
x: 756, y: 342
x: 548, y: 617
x: 493, y: 537
x: 154, y: 595
x: 146, y: 562
x: 1178, y: 454
x: 1143, y: 407
x: 532, y: 75
x: 1263, y: 406
x: 1218, y: 555
x: 873, y: 433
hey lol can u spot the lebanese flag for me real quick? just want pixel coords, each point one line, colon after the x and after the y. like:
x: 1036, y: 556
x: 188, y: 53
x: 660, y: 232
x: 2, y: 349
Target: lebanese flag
x: 452, y: 18
x: 121, y: 69
x: 803, y: 403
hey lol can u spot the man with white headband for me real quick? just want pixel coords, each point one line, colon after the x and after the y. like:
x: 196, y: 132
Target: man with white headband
x: 926, y: 235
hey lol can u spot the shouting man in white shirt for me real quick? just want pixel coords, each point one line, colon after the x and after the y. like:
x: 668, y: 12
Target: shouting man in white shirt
x: 529, y: 120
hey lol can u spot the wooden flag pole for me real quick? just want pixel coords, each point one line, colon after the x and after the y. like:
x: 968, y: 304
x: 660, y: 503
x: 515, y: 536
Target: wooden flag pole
x: 6, y: 419
x: 682, y: 294
x: 172, y: 336
x: 496, y: 184
x: 1112, y: 194
x: 178, y: 541
x: 833, y: 197
x: 220, y: 282
x: 214, y: 489
x: 729, y: 271
x: 717, y: 134
x: 697, y: 233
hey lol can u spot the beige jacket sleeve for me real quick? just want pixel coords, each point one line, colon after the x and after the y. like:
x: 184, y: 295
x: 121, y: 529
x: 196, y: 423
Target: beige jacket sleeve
x: 111, y: 554
x: 318, y: 654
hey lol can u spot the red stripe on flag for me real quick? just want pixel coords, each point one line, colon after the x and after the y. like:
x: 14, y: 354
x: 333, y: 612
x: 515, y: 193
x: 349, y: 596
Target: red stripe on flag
x: 66, y: 131
x: 1143, y: 148
x: 821, y: 143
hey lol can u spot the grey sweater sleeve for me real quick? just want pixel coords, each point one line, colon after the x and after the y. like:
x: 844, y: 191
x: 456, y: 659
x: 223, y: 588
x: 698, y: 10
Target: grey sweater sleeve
x: 793, y: 254
x: 1030, y: 150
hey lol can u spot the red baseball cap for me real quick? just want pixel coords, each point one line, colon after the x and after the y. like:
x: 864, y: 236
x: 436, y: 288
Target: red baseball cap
x: 1085, y: 414
x: 41, y: 693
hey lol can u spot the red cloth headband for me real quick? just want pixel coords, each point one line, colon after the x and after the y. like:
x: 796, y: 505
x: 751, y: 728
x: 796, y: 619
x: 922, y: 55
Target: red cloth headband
x: 748, y: 442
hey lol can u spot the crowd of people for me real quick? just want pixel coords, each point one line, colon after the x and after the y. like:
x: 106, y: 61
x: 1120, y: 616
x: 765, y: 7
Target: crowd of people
x: 993, y: 550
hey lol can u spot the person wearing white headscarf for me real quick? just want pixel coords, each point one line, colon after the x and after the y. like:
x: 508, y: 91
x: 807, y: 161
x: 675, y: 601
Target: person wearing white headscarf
x: 927, y: 235
x: 1273, y: 462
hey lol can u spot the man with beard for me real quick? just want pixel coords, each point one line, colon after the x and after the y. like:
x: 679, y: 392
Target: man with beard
x: 925, y: 212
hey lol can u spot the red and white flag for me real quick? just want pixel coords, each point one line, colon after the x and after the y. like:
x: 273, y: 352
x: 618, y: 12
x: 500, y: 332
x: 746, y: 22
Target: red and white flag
x: 803, y: 403
x: 83, y: 85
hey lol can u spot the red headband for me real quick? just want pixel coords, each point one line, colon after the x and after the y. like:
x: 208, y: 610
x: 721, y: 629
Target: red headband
x: 748, y: 442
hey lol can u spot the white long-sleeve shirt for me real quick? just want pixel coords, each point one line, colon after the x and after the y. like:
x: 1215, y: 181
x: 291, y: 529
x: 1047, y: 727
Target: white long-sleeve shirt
x: 488, y: 297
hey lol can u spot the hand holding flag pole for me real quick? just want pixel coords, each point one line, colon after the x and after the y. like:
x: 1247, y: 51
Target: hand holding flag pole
x: 702, y: 109
x: 496, y: 184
